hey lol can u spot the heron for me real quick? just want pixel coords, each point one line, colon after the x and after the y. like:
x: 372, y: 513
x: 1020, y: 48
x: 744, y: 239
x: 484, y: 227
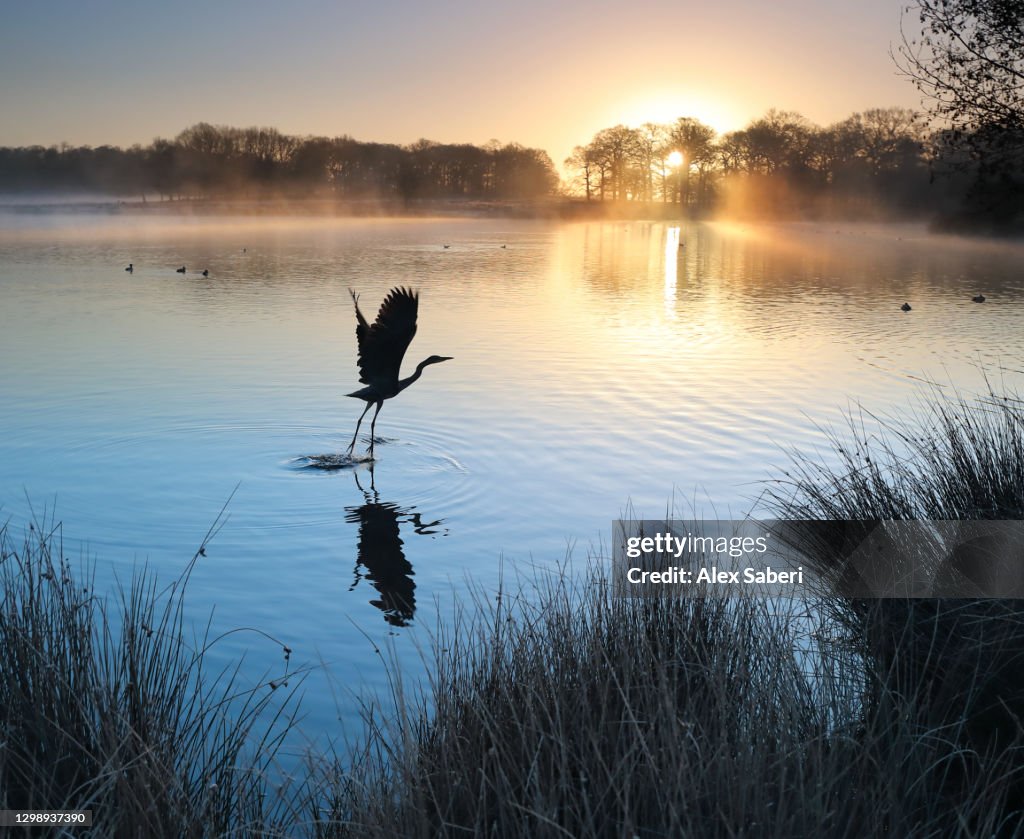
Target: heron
x: 382, y: 346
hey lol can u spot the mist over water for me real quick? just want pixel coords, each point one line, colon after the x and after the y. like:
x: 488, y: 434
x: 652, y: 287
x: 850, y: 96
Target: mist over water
x: 595, y: 365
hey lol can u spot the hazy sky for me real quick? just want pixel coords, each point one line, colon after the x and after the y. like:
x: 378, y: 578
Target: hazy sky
x: 539, y: 73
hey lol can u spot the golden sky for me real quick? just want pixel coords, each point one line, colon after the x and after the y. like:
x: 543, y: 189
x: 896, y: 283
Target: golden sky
x: 545, y: 75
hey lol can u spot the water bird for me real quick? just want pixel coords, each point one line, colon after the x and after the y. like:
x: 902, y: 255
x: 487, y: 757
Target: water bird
x: 382, y: 346
x: 180, y: 270
x: 206, y: 272
x: 446, y: 246
x: 905, y: 307
x: 503, y: 247
x: 130, y: 269
x: 978, y: 298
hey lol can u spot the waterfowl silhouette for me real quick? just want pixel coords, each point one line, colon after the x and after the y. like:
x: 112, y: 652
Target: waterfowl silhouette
x: 130, y: 269
x: 980, y: 298
x: 905, y: 307
x: 382, y: 346
x: 206, y: 272
x: 180, y: 270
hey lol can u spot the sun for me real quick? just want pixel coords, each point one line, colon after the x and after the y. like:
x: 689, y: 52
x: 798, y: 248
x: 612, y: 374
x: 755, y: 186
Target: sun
x: 675, y: 159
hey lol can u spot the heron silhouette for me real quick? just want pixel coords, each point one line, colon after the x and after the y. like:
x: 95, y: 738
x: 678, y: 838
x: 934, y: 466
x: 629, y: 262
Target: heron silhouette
x: 382, y: 346
x: 380, y: 553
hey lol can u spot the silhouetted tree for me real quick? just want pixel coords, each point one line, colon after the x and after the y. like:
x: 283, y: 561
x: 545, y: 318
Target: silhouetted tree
x: 310, y: 167
x: 161, y: 167
x: 650, y: 157
x: 968, y: 62
x: 614, y: 149
x: 583, y: 166
x: 694, y: 140
x: 521, y: 173
x: 890, y: 137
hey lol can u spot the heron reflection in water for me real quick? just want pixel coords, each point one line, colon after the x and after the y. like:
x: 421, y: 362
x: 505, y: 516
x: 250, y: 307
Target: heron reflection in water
x: 380, y: 557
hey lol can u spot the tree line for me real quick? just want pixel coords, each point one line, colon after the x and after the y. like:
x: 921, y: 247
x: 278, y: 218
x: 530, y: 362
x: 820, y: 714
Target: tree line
x: 780, y: 162
x: 880, y: 161
x: 963, y: 158
x: 206, y: 161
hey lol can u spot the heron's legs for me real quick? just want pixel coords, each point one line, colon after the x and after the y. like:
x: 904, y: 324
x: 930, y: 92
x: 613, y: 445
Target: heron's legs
x: 352, y: 445
x: 372, y: 497
x: 373, y: 426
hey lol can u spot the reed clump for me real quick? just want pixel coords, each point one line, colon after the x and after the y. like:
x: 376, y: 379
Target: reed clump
x: 105, y: 705
x: 949, y: 459
x: 960, y: 660
x: 580, y: 713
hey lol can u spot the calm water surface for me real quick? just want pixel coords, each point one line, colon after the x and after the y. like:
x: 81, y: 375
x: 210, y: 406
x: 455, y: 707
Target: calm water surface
x: 596, y: 365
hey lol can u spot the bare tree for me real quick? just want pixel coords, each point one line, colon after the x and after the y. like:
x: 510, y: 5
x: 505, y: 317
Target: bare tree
x: 583, y: 166
x: 615, y: 149
x: 968, y: 62
x: 883, y: 138
x: 694, y: 140
x: 650, y: 141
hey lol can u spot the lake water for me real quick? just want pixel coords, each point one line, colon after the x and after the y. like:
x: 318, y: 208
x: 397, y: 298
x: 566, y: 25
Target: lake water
x: 596, y: 365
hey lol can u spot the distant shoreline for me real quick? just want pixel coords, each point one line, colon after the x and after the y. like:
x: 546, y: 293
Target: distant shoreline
x: 549, y: 208
x: 556, y: 208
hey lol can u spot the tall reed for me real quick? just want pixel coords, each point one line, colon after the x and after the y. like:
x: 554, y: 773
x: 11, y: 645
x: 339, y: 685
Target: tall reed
x: 574, y: 712
x: 105, y: 705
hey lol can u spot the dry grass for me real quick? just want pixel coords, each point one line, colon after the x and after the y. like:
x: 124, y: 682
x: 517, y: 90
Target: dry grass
x: 576, y: 713
x: 105, y: 705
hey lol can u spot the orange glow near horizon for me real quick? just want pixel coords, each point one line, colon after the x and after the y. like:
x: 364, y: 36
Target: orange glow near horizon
x: 487, y: 72
x: 665, y: 107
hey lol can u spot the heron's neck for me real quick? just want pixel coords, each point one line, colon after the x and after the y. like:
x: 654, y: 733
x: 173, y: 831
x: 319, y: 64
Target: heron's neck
x: 404, y: 383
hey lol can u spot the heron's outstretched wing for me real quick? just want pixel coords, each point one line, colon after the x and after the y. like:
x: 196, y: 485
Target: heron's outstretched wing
x: 383, y: 343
